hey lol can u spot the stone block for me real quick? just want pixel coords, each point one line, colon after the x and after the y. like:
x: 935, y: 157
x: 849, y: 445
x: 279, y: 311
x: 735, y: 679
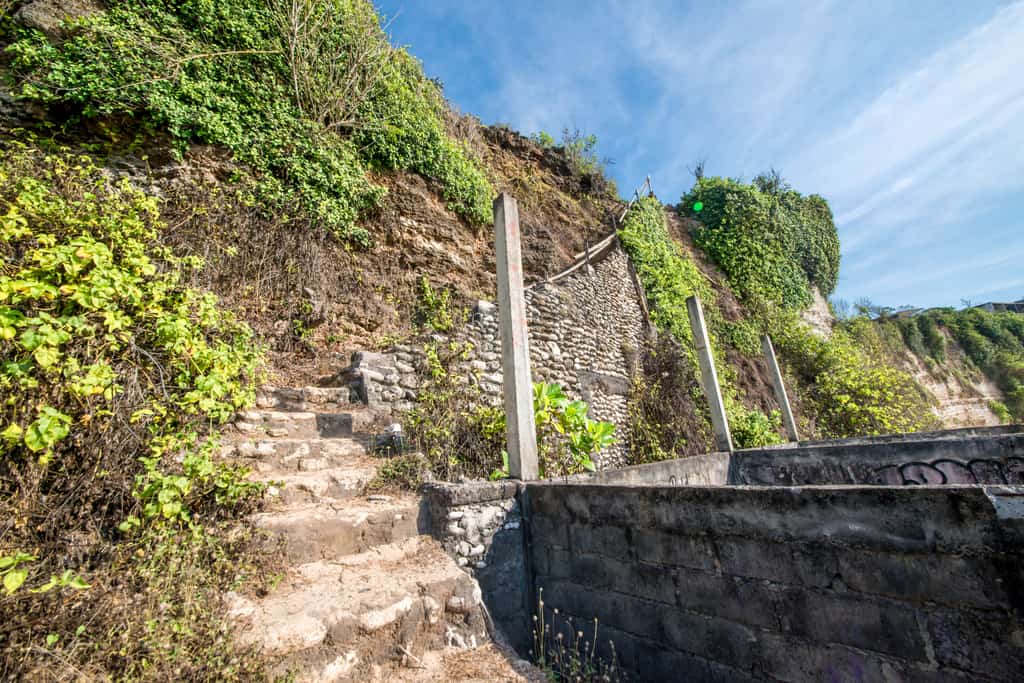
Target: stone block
x: 795, y: 660
x: 715, y: 639
x: 692, y: 552
x: 984, y: 643
x: 610, y: 541
x: 943, y: 579
x: 549, y: 531
x: 744, y: 601
x: 852, y: 619
x: 757, y: 558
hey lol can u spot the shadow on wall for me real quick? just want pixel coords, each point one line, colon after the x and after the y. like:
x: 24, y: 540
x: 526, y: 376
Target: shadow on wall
x: 786, y: 576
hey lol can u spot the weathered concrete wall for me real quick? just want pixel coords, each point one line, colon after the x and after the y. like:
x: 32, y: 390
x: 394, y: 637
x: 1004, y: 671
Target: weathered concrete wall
x: 967, y: 456
x: 791, y: 584
x: 982, y: 459
x: 586, y: 329
x: 481, y: 525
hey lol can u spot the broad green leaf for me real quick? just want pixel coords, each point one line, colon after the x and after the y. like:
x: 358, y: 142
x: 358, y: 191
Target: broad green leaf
x: 14, y: 579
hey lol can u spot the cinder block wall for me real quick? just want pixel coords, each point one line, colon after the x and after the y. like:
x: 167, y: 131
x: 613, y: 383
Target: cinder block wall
x: 791, y: 584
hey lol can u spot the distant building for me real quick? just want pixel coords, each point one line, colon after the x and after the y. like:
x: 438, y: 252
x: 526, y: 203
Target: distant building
x: 995, y: 307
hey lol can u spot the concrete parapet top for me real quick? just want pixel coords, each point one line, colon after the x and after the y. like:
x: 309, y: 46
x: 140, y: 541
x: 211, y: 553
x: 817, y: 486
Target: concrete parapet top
x: 468, y: 493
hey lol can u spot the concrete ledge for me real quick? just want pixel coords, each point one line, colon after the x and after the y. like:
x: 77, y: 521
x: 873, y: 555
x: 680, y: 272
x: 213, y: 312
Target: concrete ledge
x: 452, y: 495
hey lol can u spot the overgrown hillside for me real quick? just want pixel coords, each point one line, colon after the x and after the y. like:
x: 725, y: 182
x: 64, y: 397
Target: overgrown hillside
x: 197, y: 196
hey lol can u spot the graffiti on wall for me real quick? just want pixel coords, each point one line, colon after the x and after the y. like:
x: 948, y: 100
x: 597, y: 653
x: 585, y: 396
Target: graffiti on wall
x: 948, y: 471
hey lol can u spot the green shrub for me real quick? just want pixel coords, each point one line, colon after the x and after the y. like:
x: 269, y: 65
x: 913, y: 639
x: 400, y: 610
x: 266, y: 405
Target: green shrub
x: 113, y: 373
x: 434, y: 308
x: 932, y: 338
x: 669, y: 278
x: 1001, y: 411
x: 400, y: 472
x: 222, y: 73
x: 772, y: 242
x: 910, y: 331
x: 463, y: 435
x: 754, y: 429
x: 567, y: 439
x: 848, y: 380
x: 994, y: 342
x: 406, y: 131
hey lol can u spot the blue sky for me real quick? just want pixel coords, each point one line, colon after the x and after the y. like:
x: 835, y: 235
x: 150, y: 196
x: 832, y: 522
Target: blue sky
x: 907, y: 116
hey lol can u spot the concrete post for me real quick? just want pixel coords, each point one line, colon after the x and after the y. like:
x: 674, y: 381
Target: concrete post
x: 780, y: 388
x: 708, y: 375
x: 521, y: 432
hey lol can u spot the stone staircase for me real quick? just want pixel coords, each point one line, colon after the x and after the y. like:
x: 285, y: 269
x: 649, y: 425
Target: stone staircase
x: 367, y: 596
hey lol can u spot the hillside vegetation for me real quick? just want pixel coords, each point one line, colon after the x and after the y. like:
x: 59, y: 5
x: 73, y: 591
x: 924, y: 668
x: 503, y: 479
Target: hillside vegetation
x: 154, y: 155
x: 199, y: 196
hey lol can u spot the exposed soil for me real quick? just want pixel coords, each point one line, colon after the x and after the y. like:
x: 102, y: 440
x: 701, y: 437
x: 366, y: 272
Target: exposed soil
x: 752, y: 376
x: 314, y: 300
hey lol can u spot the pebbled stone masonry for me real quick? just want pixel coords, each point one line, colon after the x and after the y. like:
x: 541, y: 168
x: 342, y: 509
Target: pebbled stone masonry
x: 585, y: 326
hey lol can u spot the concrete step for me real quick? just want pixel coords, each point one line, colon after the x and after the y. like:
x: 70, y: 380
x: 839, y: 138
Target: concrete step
x: 337, y: 620
x: 330, y: 485
x: 303, y: 455
x: 306, y: 399
x: 319, y: 531
x: 280, y: 424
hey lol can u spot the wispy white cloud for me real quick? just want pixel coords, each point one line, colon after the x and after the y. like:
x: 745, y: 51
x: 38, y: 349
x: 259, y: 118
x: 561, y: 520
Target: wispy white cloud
x: 904, y: 115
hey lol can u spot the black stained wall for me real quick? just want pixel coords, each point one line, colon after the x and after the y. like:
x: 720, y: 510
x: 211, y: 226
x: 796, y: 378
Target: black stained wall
x: 792, y: 584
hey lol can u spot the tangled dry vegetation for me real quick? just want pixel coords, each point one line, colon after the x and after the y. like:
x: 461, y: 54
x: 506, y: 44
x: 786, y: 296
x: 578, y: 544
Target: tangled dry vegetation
x: 118, y: 528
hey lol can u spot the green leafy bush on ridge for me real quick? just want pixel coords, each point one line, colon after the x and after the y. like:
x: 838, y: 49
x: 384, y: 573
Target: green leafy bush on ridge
x: 772, y: 242
x: 993, y: 341
x: 219, y: 73
x: 669, y: 278
x: 112, y: 373
x: 848, y: 381
x: 847, y: 389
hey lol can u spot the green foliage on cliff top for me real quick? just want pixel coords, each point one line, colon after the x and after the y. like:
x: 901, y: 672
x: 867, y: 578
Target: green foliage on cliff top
x: 310, y: 102
x: 112, y: 372
x: 772, y: 242
x: 669, y: 278
x: 848, y: 380
x: 846, y: 385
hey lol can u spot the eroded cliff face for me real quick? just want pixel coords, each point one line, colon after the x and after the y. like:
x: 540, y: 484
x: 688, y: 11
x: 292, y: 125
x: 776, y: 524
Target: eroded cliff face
x: 961, y: 394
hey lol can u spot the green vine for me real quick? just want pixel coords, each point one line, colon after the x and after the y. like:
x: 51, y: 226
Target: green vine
x: 113, y: 373
x: 224, y: 73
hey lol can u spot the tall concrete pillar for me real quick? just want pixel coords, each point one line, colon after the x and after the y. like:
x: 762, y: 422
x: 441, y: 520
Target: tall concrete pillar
x: 780, y: 388
x: 521, y: 432
x: 708, y: 375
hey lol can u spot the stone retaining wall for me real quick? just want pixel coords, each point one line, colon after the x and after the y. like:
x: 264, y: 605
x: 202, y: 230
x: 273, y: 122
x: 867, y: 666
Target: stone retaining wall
x: 586, y: 329
x: 976, y: 456
x: 480, y: 524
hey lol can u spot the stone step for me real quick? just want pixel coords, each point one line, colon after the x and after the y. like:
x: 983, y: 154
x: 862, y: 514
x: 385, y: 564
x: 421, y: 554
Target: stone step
x: 337, y: 620
x: 329, y: 485
x: 304, y: 455
x: 320, y: 531
x: 306, y: 399
x: 279, y: 424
